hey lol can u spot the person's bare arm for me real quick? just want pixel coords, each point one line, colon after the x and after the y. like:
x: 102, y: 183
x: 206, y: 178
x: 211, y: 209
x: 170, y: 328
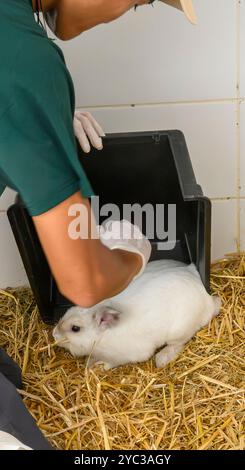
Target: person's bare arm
x: 76, y: 16
x: 85, y: 270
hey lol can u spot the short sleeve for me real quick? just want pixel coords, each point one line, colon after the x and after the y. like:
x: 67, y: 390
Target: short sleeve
x: 38, y: 147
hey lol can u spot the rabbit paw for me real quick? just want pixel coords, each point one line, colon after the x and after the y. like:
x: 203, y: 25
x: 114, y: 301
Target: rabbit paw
x: 108, y: 366
x: 167, y: 354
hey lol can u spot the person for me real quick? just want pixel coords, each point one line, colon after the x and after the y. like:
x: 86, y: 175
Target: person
x: 18, y: 429
x: 38, y: 153
x: 38, y: 159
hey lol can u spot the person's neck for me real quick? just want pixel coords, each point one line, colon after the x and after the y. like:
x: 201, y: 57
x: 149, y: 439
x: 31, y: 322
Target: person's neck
x: 45, y: 4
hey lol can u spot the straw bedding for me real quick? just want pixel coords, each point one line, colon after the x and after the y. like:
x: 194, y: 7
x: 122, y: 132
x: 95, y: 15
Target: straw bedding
x: 197, y: 402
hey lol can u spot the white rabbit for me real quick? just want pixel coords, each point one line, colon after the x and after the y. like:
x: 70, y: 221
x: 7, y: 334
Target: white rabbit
x: 163, y: 308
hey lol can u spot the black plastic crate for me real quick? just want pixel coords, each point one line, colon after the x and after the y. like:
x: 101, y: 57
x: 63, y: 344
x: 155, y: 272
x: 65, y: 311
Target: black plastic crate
x: 145, y: 167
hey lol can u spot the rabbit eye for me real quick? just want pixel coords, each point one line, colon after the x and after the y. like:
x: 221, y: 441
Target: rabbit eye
x: 75, y: 328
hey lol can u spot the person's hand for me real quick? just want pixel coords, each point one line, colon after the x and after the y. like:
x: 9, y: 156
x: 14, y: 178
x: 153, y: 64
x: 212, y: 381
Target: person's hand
x: 123, y: 235
x: 88, y: 131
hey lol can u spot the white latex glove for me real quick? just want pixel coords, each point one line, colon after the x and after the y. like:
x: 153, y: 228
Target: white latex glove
x: 123, y: 235
x: 88, y: 131
x: 9, y: 442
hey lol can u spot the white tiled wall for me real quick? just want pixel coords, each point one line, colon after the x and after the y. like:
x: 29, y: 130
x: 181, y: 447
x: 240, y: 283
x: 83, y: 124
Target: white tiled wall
x: 242, y: 47
x: 7, y: 199
x: 153, y: 55
x: 242, y: 161
x: 224, y: 227
x: 243, y: 222
x: 12, y: 272
x: 176, y: 76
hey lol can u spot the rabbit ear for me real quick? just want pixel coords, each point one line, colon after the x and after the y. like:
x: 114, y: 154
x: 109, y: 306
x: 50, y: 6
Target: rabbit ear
x: 107, y: 317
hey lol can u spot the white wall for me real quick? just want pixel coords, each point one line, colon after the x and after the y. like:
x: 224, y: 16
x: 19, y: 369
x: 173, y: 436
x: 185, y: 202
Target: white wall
x: 175, y: 76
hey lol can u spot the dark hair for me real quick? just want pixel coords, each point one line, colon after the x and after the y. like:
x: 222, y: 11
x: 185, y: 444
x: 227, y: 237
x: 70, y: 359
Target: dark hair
x: 37, y: 9
x: 149, y: 1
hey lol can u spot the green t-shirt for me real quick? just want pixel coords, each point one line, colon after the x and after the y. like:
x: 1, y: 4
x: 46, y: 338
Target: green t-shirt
x: 38, y: 152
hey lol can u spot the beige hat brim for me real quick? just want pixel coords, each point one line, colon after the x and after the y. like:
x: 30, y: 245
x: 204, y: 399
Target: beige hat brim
x: 186, y: 6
